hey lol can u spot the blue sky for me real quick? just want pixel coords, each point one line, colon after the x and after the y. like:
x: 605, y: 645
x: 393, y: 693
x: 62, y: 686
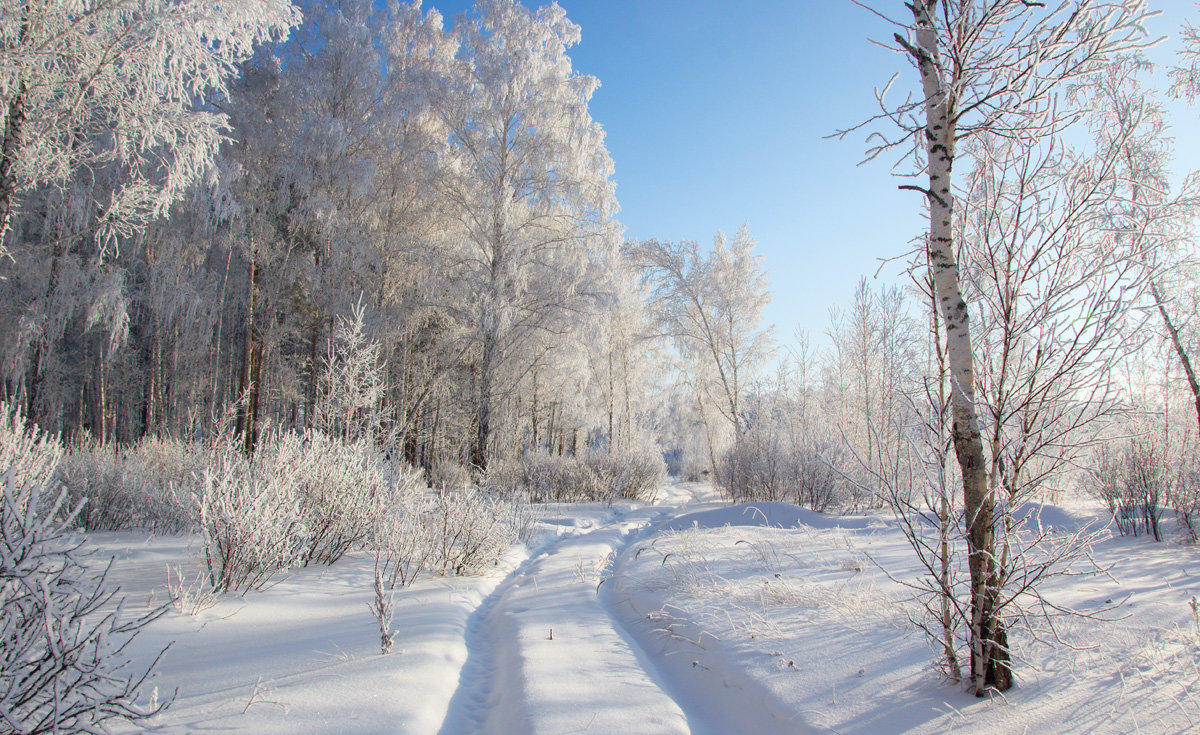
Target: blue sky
x: 717, y: 114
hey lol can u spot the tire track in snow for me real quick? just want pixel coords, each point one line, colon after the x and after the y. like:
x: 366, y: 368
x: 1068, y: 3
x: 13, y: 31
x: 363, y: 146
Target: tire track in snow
x: 475, y: 694
x: 715, y: 701
x: 545, y: 654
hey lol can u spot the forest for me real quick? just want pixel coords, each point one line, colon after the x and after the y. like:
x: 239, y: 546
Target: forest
x: 342, y: 288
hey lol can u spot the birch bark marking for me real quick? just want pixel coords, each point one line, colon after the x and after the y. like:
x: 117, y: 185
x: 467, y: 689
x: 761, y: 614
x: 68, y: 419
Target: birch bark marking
x: 990, y: 661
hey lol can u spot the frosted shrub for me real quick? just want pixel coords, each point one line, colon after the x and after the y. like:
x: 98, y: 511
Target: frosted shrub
x: 522, y: 515
x: 402, y: 532
x: 504, y: 477
x: 550, y: 477
x: 758, y: 469
x: 144, y: 487
x: 1131, y: 480
x: 449, y: 475
x: 303, y: 499
x: 92, y: 476
x: 340, y: 488
x: 251, y: 524
x: 62, y: 666
x: 595, y: 477
x: 402, y: 537
x: 634, y: 476
x: 818, y: 484
x: 26, y: 454
x: 471, y: 530
x: 168, y: 462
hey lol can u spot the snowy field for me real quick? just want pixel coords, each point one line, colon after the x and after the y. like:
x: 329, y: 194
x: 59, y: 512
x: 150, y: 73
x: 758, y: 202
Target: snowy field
x: 685, y: 616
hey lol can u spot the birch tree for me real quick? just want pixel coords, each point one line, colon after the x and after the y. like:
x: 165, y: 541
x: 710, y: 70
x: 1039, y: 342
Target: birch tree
x: 986, y: 67
x: 121, y: 82
x: 710, y: 307
x: 529, y: 185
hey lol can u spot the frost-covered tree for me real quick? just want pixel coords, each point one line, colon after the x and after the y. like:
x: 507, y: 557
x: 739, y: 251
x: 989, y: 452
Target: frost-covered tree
x: 1186, y: 76
x: 336, y: 156
x: 709, y: 305
x: 872, y: 366
x: 1155, y: 222
x: 365, y: 158
x: 986, y: 67
x: 351, y: 389
x: 122, y: 83
x: 529, y: 186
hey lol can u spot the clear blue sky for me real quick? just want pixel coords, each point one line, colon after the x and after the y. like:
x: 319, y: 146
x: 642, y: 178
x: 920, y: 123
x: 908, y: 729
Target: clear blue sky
x: 717, y: 114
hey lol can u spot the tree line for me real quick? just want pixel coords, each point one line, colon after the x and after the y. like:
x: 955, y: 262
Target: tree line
x: 175, y: 262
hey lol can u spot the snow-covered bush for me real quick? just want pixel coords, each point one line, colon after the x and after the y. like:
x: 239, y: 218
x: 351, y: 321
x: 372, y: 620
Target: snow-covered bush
x: 593, y: 477
x: 446, y: 474
x: 759, y: 469
x: 300, y: 499
x: 634, y: 476
x: 471, y: 530
x: 250, y: 523
x: 340, y: 486
x: 28, y: 455
x: 1132, y: 481
x: 167, y: 462
x: 402, y: 532
x: 145, y: 486
x: 62, y: 662
x: 551, y: 477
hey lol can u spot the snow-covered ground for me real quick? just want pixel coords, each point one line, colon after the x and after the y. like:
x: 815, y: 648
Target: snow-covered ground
x: 684, y: 616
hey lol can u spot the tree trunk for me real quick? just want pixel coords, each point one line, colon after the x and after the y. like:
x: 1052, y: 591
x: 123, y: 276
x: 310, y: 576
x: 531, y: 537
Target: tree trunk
x: 627, y: 434
x: 612, y: 399
x: 251, y: 355
x: 1184, y: 360
x: 10, y: 150
x: 483, y: 428
x: 990, y: 661
x: 533, y: 413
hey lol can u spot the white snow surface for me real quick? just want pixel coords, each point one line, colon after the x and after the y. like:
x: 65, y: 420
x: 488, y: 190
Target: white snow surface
x: 685, y: 616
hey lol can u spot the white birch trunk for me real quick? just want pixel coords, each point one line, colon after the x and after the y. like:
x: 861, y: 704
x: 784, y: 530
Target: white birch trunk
x: 990, y: 665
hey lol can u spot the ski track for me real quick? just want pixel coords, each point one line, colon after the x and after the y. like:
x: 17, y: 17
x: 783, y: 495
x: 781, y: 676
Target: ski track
x: 548, y: 651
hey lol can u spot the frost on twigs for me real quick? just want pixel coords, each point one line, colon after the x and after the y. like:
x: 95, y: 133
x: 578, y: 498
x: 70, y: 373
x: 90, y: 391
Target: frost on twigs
x: 63, y: 662
x: 1132, y: 480
x: 143, y: 486
x: 382, y: 609
x: 250, y: 524
x: 471, y: 530
x: 588, y: 477
x: 189, y: 594
x: 462, y: 530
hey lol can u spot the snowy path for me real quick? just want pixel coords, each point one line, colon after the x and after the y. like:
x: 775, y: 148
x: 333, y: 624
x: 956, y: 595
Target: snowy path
x: 548, y: 644
x: 687, y: 616
x: 546, y: 655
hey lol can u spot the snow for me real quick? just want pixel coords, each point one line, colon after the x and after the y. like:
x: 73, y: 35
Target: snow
x: 774, y: 515
x: 303, y: 656
x: 684, y: 616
